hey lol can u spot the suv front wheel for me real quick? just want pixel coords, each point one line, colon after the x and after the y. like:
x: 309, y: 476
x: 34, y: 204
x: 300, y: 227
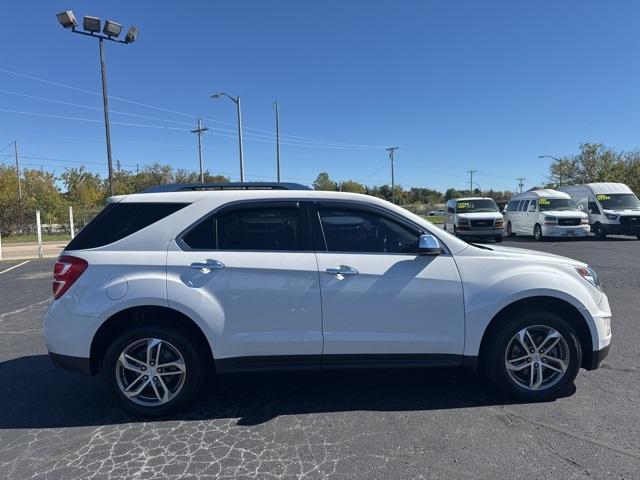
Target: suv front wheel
x: 534, y: 357
x: 153, y: 370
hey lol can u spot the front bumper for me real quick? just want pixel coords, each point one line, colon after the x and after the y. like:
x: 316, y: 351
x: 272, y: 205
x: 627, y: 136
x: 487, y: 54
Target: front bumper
x: 565, y: 231
x: 618, y: 229
x: 480, y: 232
x: 597, y: 356
x: 74, y: 364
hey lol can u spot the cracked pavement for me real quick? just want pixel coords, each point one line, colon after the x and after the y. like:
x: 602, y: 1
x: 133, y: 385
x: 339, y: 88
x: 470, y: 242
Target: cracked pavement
x: 429, y: 424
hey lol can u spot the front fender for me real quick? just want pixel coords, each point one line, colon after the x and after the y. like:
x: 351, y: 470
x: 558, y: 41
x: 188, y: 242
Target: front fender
x: 487, y: 295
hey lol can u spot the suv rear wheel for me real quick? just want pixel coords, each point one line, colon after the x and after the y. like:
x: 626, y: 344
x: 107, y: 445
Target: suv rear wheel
x: 153, y: 370
x: 534, y: 357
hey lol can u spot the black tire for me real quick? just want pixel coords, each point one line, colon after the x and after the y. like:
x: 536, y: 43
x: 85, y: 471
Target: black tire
x: 183, y: 343
x: 499, y: 239
x: 494, y: 355
x: 599, y: 232
x: 537, y: 232
x: 510, y: 230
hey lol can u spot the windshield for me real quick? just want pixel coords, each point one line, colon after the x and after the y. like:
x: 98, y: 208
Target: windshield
x: 547, y: 204
x: 618, y: 201
x: 468, y: 206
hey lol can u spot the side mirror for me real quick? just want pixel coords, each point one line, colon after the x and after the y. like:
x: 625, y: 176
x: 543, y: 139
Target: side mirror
x: 581, y: 208
x: 429, y: 245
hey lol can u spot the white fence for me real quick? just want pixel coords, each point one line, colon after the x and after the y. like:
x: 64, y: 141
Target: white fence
x: 11, y: 249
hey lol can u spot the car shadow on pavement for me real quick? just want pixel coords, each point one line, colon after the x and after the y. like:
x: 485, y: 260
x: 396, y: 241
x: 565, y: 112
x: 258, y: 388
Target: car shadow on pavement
x: 34, y: 394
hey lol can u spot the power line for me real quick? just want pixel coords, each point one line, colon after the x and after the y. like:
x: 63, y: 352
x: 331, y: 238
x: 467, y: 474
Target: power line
x: 189, y: 115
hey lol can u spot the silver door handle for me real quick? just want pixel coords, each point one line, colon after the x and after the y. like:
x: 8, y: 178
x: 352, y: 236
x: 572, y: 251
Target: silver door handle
x: 206, y: 267
x: 342, y: 270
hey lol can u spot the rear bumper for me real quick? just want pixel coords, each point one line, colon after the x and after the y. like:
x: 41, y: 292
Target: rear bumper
x: 74, y: 364
x: 597, y: 357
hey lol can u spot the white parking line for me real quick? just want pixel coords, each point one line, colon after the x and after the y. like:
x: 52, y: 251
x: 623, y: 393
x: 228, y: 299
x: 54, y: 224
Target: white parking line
x: 15, y: 266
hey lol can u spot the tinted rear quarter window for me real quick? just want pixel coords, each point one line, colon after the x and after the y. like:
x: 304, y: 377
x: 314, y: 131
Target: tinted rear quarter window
x: 119, y: 220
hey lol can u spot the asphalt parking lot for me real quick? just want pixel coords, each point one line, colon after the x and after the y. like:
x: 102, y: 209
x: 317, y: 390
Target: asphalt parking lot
x: 432, y: 424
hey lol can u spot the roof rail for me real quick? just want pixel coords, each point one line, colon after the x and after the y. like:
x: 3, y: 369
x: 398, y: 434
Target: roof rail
x: 188, y: 187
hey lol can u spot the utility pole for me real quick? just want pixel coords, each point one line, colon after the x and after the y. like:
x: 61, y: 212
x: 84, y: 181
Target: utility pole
x: 275, y: 104
x: 521, y: 182
x: 199, y: 131
x: 15, y: 149
x: 393, y: 180
x: 471, y: 172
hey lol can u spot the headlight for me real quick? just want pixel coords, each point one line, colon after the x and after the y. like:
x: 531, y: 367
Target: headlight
x: 611, y: 216
x: 584, y: 221
x: 590, y: 276
x: 548, y: 219
x: 463, y: 221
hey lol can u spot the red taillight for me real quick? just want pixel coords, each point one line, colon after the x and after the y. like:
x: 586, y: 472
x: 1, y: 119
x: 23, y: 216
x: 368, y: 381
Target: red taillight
x: 65, y: 272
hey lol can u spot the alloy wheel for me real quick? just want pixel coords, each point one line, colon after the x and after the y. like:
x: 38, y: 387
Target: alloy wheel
x: 150, y: 372
x: 537, y: 357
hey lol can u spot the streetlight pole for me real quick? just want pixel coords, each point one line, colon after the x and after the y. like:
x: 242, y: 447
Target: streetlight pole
x: 111, y: 31
x: 105, y: 103
x: 275, y: 104
x: 393, y: 180
x: 235, y: 100
x: 553, y: 158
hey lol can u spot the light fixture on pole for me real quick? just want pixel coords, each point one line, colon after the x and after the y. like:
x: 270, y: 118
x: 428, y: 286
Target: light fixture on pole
x: 555, y: 159
x: 111, y: 32
x: 235, y: 100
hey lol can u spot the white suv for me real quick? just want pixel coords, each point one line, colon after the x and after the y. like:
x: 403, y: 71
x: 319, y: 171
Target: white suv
x: 164, y: 287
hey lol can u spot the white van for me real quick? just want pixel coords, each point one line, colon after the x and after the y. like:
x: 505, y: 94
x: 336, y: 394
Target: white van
x: 545, y: 213
x: 613, y: 207
x: 474, y: 217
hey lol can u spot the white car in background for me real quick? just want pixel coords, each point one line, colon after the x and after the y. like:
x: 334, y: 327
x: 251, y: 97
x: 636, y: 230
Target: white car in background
x: 162, y: 288
x: 545, y: 213
x: 474, y: 217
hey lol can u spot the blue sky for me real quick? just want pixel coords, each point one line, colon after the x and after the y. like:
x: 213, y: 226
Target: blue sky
x: 457, y: 85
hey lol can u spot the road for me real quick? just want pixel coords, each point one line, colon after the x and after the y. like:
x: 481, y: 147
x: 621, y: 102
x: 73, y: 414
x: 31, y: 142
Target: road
x: 429, y: 424
x: 15, y: 251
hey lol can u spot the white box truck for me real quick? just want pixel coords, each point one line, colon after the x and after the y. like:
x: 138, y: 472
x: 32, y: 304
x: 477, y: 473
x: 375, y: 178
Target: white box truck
x: 613, y: 208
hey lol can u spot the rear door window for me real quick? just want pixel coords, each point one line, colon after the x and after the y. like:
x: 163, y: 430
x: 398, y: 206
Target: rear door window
x: 269, y: 227
x: 119, y: 220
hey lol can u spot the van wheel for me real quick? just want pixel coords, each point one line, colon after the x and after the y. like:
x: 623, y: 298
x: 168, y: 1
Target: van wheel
x: 153, y: 370
x: 537, y: 232
x: 534, y: 356
x: 598, y: 231
x: 499, y: 238
x: 510, y: 230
